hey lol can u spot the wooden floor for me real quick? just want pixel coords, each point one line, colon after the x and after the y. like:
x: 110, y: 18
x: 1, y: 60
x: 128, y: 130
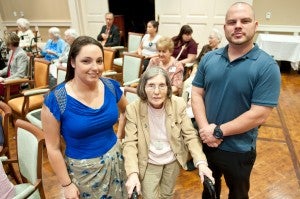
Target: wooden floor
x: 276, y: 173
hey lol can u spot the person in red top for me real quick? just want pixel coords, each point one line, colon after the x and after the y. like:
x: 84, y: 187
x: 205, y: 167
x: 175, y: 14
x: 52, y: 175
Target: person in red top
x: 17, y: 62
x: 185, y: 47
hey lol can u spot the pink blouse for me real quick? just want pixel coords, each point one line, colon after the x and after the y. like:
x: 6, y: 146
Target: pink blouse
x: 7, y: 189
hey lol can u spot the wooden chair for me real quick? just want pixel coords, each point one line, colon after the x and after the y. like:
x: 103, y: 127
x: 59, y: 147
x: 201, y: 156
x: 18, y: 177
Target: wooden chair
x: 132, y: 68
x: 109, y: 55
x: 61, y: 74
x: 33, y: 98
x: 134, y: 40
x: 5, y: 112
x: 30, y: 143
x: 34, y: 116
x: 130, y: 94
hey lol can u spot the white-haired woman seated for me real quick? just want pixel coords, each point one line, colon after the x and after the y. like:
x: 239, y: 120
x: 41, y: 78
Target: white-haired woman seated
x: 54, y: 46
x: 70, y: 36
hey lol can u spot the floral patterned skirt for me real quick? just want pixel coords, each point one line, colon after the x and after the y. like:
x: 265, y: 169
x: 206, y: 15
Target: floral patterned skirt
x: 102, y: 178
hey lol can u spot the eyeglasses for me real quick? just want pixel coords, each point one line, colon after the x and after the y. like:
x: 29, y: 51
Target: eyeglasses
x: 150, y: 44
x: 152, y: 87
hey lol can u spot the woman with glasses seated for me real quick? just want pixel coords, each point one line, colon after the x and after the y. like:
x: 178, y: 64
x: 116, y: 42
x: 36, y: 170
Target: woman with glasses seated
x: 174, y: 68
x: 147, y: 46
x: 158, y: 136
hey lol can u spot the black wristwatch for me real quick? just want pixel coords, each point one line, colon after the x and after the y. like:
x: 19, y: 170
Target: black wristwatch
x: 218, y: 132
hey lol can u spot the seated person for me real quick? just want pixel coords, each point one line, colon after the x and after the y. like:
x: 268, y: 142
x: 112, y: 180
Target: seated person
x: 2, y: 58
x: 17, y: 63
x: 174, y: 68
x: 25, y: 33
x: 54, y: 46
x: 185, y: 47
x: 7, y: 189
x: 214, y: 40
x: 109, y: 34
x: 147, y: 47
x: 70, y: 36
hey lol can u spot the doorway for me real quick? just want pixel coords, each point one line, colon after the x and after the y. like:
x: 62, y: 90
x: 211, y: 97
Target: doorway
x: 136, y: 13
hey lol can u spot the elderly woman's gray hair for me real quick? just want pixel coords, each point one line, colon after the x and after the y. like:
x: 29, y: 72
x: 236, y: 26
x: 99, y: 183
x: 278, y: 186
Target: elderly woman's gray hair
x: 217, y: 34
x: 71, y: 32
x: 23, y: 23
x: 149, y: 74
x: 55, y: 31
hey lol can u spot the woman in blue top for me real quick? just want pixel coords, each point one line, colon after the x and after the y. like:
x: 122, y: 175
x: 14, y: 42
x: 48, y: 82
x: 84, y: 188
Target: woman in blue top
x: 83, y: 110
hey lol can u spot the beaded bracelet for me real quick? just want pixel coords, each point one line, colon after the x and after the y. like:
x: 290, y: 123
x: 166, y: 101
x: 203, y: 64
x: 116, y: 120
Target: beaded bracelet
x: 67, y: 184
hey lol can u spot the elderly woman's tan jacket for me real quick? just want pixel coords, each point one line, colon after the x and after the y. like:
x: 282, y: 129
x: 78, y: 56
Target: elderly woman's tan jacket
x: 182, y: 135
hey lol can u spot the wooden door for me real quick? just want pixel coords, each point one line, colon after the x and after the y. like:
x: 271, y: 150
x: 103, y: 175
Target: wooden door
x: 88, y: 16
x: 119, y: 21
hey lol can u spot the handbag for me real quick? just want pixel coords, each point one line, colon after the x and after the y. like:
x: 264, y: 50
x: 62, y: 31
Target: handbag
x: 135, y: 194
x: 210, y: 187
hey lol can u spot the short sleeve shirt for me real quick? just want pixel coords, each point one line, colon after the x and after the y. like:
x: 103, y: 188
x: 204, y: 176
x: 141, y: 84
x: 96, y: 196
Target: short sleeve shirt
x: 231, y: 87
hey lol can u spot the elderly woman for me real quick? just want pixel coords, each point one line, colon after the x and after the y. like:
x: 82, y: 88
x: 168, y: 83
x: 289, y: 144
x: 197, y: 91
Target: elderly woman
x: 158, y: 136
x: 25, y: 34
x: 17, y: 63
x: 54, y: 46
x: 214, y: 39
x: 70, y: 36
x: 165, y: 47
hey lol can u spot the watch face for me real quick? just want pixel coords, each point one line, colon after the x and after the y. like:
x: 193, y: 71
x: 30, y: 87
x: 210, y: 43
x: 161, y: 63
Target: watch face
x: 218, y: 133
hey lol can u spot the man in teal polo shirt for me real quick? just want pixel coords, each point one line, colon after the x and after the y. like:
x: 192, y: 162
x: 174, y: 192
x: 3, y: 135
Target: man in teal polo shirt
x: 234, y: 91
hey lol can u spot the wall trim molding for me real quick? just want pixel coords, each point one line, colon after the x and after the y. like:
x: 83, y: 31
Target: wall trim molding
x: 41, y: 23
x: 295, y: 30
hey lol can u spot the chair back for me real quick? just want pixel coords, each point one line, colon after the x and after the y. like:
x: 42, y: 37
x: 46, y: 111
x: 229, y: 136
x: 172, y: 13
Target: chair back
x: 30, y: 143
x: 109, y: 55
x: 41, y: 74
x: 34, y: 116
x: 29, y: 70
x: 134, y: 40
x: 132, y: 67
x: 61, y: 74
x: 5, y: 112
x: 130, y: 95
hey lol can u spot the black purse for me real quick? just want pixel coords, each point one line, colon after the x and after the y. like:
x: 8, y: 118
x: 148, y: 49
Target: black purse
x: 134, y: 194
x: 209, y: 187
